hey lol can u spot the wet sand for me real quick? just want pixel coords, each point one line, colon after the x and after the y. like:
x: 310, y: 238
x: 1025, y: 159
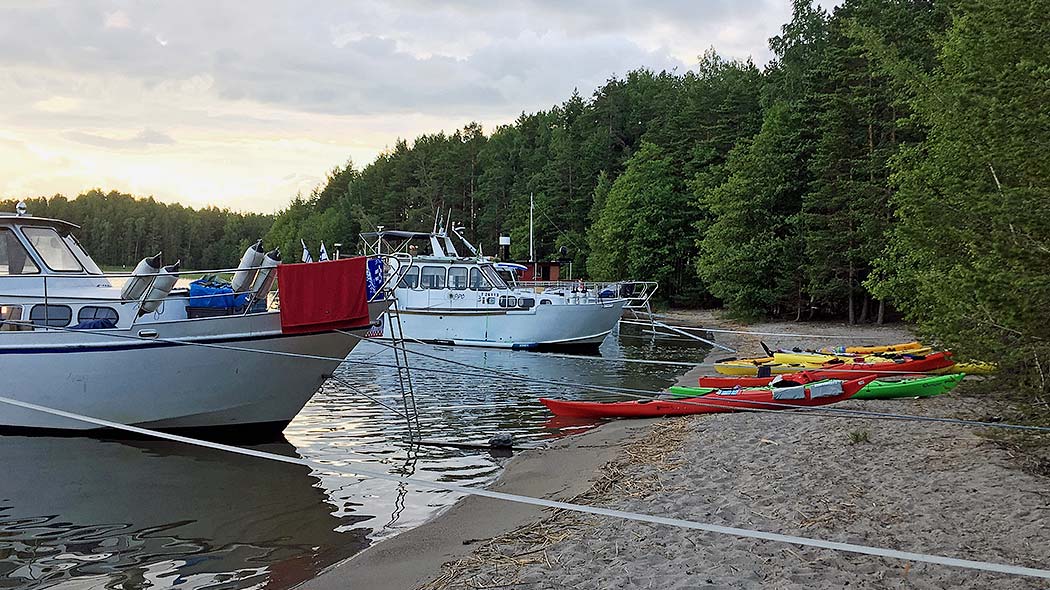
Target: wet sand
x: 929, y: 488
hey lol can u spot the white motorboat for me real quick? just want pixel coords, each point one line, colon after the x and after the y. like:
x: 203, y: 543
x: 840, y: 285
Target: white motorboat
x: 446, y: 298
x: 139, y: 354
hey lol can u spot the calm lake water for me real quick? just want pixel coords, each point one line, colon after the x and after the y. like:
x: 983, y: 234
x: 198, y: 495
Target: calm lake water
x: 78, y: 512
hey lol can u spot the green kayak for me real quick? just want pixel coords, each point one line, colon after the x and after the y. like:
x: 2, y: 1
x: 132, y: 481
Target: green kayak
x: 921, y: 387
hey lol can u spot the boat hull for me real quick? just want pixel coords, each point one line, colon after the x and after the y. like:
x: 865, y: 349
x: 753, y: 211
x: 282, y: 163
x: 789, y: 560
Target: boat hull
x: 216, y: 373
x: 543, y: 326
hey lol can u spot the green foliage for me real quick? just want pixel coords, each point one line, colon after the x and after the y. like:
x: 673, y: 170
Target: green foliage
x: 639, y: 231
x: 118, y: 229
x: 970, y: 254
x: 750, y: 254
x: 859, y: 436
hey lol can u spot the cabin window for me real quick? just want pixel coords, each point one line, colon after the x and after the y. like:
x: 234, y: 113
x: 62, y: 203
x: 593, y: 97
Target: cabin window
x: 526, y: 302
x: 493, y: 277
x: 433, y: 277
x: 505, y: 301
x: 409, y: 278
x: 457, y: 278
x: 14, y: 259
x: 52, y: 249
x: 94, y: 312
x: 12, y: 313
x: 477, y: 281
x: 56, y: 316
x: 545, y: 302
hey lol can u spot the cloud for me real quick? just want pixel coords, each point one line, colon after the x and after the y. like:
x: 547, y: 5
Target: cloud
x: 142, y: 139
x: 117, y: 19
x: 370, y: 56
x: 99, y: 81
x: 57, y: 104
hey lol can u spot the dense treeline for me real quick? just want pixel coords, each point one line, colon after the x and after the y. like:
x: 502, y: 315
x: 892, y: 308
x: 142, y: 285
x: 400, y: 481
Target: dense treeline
x: 893, y: 151
x: 767, y: 190
x: 118, y: 230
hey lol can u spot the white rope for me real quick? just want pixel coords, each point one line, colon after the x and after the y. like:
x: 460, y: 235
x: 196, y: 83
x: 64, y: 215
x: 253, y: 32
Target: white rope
x: 753, y: 333
x: 1001, y: 568
x: 616, y: 360
x: 747, y: 406
x: 622, y: 391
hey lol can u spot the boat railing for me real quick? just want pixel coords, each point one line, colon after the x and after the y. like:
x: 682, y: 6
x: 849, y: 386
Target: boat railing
x: 637, y: 293
x: 49, y: 283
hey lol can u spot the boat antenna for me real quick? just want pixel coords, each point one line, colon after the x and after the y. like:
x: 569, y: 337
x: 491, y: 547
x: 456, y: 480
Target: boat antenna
x: 470, y: 246
x: 437, y: 216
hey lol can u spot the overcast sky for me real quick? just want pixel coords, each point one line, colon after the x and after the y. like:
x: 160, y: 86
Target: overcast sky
x: 241, y: 104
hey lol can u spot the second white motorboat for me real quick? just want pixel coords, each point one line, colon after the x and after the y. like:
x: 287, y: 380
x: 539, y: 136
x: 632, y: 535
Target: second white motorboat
x: 446, y: 298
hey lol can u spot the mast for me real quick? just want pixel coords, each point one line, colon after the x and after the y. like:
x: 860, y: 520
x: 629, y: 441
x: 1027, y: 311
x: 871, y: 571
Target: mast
x: 532, y: 252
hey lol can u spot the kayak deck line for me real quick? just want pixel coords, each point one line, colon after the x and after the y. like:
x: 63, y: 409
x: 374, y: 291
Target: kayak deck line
x: 987, y: 566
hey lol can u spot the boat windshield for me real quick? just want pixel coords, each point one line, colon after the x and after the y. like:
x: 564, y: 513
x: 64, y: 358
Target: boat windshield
x: 52, y: 249
x: 82, y: 255
x: 493, y: 277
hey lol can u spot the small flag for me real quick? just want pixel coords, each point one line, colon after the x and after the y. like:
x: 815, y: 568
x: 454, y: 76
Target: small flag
x: 306, y: 253
x: 323, y: 255
x: 376, y: 331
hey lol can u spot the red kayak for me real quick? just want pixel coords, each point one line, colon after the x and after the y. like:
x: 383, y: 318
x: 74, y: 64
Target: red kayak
x: 800, y: 378
x: 839, y: 370
x: 727, y: 400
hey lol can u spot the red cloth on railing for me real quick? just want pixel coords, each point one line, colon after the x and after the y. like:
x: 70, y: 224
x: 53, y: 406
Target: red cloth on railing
x: 322, y: 296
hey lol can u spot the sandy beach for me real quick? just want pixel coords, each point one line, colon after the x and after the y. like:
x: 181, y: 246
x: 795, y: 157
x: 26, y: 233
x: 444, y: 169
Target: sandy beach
x: 922, y: 487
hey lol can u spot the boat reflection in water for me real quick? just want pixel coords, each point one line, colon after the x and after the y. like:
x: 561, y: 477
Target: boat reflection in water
x: 86, y: 513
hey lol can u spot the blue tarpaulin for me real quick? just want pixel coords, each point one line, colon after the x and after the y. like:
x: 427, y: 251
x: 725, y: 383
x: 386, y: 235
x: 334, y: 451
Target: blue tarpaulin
x: 205, y: 293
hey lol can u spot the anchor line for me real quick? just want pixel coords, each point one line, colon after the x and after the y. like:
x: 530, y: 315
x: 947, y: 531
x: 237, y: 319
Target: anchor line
x: 622, y: 391
x: 755, y: 333
x: 987, y: 566
x: 767, y: 406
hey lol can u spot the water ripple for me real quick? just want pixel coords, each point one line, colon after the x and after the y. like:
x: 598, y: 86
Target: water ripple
x: 89, y: 513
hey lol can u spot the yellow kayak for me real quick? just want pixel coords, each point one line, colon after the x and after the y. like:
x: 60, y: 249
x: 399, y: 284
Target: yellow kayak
x: 815, y: 358
x: 790, y: 362
x: 750, y: 367
x: 971, y: 368
x: 902, y: 347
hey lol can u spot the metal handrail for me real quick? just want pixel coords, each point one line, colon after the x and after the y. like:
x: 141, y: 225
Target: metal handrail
x: 48, y: 297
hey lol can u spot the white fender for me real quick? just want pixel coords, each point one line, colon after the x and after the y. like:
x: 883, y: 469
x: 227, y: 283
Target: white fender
x: 248, y: 268
x: 267, y: 274
x: 162, y: 285
x: 143, y: 274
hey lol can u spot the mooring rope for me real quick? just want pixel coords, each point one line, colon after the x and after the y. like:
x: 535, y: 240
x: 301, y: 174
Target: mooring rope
x: 623, y: 391
x: 754, y: 333
x: 987, y: 566
x: 766, y: 406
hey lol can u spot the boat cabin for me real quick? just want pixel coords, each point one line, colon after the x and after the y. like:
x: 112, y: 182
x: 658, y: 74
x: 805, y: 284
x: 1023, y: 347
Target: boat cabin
x: 47, y: 279
x: 434, y: 276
